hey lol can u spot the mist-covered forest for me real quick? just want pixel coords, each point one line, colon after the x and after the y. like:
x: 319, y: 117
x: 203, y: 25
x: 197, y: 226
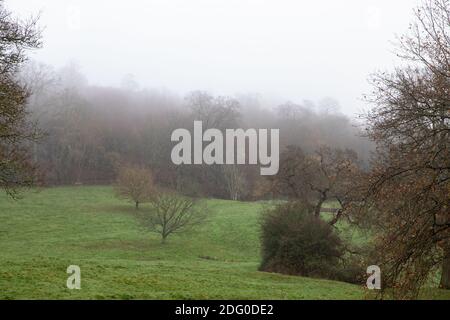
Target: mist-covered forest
x: 89, y: 131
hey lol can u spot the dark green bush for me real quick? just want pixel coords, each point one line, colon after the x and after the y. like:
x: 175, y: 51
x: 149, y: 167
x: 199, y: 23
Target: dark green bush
x: 296, y: 242
x: 350, y: 269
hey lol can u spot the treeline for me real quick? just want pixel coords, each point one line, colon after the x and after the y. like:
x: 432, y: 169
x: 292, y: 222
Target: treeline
x: 90, y: 131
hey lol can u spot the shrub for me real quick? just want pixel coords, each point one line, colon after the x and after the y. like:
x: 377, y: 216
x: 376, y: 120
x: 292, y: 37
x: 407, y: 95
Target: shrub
x: 352, y: 269
x: 296, y: 242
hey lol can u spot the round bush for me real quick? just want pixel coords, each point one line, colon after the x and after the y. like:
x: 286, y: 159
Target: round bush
x: 296, y: 242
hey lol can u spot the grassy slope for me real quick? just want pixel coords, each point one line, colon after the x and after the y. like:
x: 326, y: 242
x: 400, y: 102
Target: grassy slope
x: 47, y: 231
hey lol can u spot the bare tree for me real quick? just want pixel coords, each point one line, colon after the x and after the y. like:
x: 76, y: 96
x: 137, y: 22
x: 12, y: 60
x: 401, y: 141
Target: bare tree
x: 215, y: 112
x: 172, y: 213
x: 235, y: 180
x: 135, y: 184
x: 408, y: 191
x: 326, y: 174
x: 16, y: 167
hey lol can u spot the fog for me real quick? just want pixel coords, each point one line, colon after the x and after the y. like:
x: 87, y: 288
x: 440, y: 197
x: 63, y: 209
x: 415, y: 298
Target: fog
x: 284, y: 50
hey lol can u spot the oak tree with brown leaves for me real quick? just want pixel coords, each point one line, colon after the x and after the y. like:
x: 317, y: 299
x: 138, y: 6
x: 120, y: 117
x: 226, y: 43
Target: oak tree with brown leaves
x: 408, y: 192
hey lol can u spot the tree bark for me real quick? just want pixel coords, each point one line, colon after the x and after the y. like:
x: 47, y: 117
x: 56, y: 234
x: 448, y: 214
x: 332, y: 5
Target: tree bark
x: 318, y: 206
x: 317, y: 209
x: 445, y: 277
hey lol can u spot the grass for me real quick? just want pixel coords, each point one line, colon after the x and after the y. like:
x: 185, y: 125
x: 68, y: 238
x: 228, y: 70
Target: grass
x: 46, y: 231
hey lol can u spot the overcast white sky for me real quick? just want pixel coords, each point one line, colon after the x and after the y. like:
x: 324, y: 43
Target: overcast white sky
x: 293, y: 49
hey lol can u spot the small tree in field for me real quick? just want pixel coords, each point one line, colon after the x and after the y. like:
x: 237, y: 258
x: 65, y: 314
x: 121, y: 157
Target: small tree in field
x: 235, y: 180
x: 135, y: 184
x: 172, y: 213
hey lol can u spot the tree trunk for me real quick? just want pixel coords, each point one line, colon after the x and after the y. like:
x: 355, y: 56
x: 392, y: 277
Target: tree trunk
x: 445, y: 277
x: 137, y: 205
x: 318, y: 207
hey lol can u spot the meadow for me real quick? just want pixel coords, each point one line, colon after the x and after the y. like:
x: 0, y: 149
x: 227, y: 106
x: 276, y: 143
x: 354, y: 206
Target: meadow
x: 49, y: 229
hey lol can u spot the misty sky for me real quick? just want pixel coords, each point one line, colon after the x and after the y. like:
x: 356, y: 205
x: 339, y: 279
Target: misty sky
x: 291, y: 49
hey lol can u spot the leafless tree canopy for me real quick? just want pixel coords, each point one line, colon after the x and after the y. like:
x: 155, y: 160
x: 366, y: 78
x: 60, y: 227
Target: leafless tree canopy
x: 326, y: 174
x: 135, y: 184
x: 172, y: 213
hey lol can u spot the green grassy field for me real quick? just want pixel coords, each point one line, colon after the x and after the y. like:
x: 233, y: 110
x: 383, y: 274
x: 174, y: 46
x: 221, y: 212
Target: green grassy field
x: 46, y: 231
